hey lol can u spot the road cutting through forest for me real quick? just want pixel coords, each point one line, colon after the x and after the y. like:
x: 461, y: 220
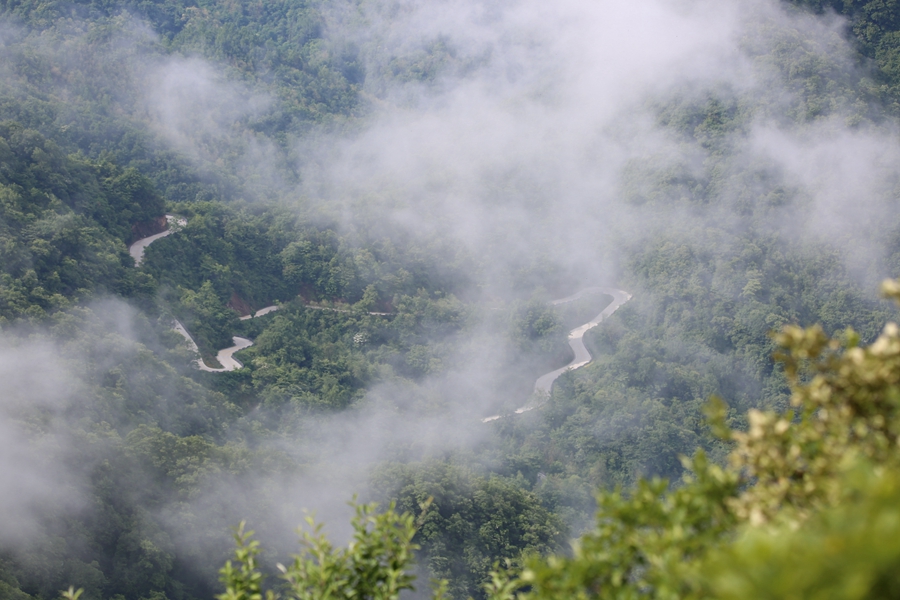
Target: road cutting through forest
x: 542, y: 386
x: 136, y: 250
x: 544, y: 383
x: 225, y: 356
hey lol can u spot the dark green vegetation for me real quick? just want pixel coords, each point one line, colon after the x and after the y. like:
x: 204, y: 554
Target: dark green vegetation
x: 161, y: 459
x: 64, y: 222
x: 874, y: 26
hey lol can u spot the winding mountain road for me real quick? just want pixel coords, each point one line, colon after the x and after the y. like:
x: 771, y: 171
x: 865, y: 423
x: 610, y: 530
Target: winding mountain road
x: 261, y: 312
x: 136, y: 250
x: 544, y: 383
x: 542, y: 386
x: 225, y: 356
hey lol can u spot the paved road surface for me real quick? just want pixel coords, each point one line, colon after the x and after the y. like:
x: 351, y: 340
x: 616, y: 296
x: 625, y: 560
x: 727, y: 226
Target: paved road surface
x: 544, y: 383
x: 225, y: 356
x: 137, y: 249
x: 542, y: 386
x: 261, y: 312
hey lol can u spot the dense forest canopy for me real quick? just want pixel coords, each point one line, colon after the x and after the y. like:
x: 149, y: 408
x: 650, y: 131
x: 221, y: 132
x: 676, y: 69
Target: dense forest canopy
x: 412, y: 184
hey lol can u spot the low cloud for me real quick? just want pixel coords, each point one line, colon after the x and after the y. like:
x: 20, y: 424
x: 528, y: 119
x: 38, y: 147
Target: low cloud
x: 36, y: 389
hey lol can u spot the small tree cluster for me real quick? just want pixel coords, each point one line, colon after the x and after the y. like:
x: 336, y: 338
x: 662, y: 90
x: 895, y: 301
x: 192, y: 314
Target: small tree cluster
x: 375, y: 564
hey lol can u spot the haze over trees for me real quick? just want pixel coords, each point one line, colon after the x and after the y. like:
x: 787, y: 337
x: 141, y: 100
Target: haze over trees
x: 412, y: 183
x: 805, y: 505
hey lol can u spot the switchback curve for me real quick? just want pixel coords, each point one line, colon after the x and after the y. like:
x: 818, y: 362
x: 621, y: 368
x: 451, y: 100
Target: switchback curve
x: 136, y: 250
x: 542, y: 386
x: 225, y: 356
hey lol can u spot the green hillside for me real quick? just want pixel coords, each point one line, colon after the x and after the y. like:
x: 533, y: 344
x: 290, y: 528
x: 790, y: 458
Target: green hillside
x: 375, y: 186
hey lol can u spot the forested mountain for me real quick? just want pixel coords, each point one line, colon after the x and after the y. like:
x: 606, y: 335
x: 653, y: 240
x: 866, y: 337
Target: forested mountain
x: 412, y: 184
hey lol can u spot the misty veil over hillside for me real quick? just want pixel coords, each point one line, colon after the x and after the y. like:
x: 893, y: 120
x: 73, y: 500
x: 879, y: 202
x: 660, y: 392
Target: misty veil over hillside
x: 412, y: 184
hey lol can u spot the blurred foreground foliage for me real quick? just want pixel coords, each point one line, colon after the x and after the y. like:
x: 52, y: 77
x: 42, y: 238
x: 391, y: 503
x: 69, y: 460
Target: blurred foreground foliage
x: 807, y: 506
x: 373, y: 565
